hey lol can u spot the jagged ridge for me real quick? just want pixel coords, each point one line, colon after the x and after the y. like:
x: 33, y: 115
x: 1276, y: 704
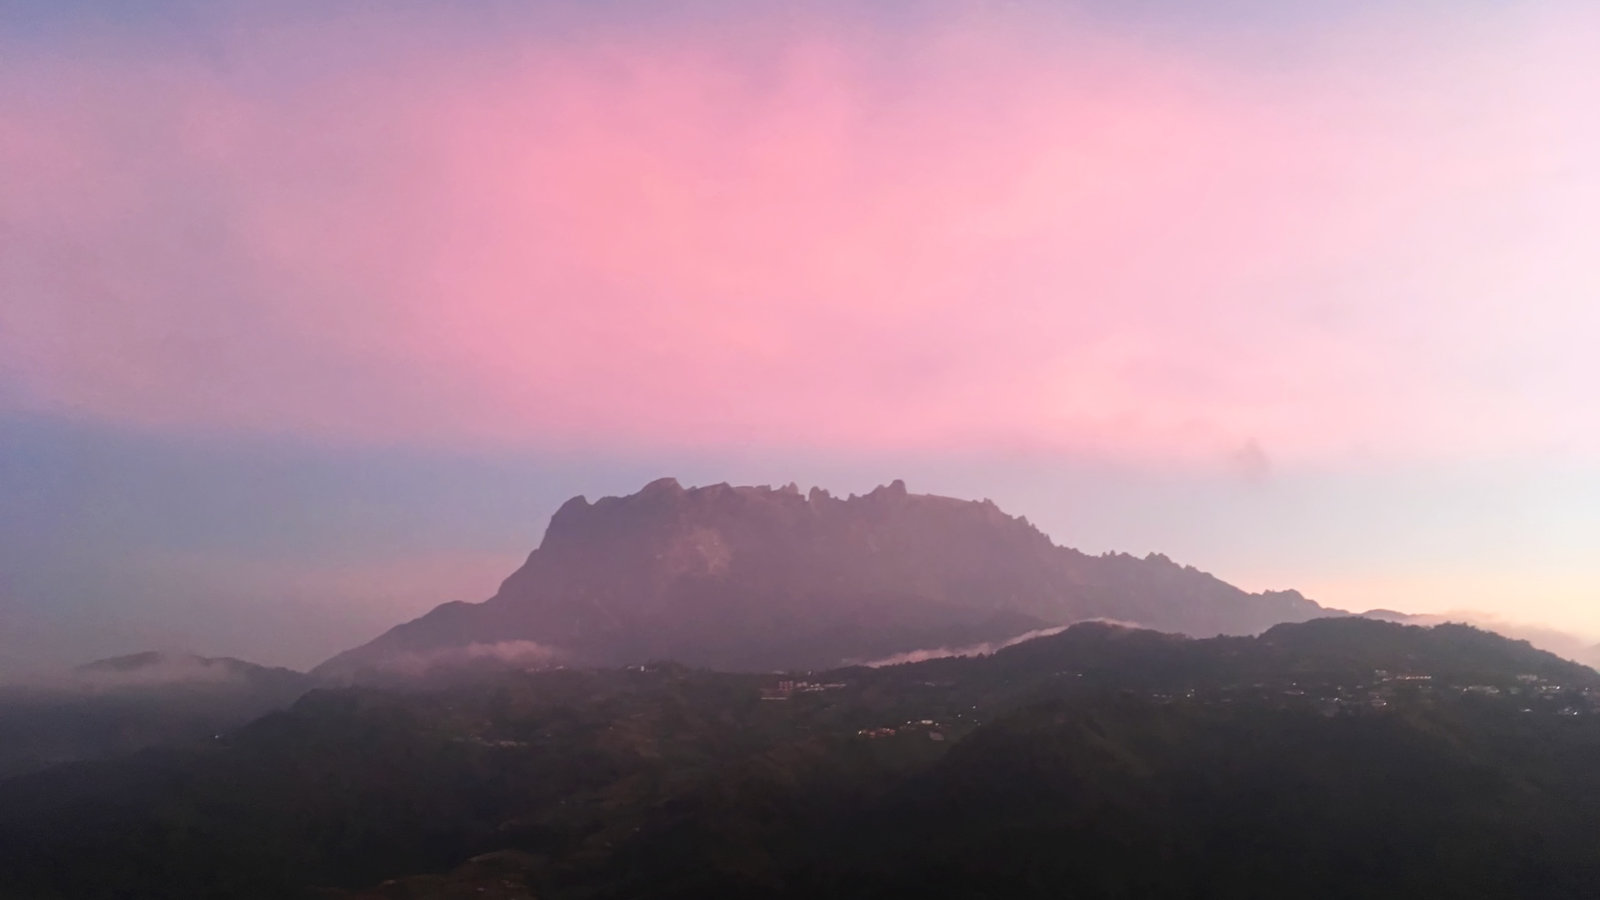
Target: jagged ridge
x: 763, y: 578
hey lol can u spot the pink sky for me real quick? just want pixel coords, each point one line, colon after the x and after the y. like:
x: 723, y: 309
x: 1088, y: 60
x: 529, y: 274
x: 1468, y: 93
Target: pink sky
x: 981, y: 236
x: 995, y: 233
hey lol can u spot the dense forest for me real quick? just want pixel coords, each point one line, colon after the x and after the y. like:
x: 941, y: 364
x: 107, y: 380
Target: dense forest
x: 1334, y: 758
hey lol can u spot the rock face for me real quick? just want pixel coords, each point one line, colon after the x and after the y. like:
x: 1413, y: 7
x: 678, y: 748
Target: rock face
x: 761, y: 578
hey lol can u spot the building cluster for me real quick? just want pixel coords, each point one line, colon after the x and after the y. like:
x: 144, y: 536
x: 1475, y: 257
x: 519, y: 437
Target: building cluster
x: 1385, y: 688
x: 788, y: 688
x: 931, y: 728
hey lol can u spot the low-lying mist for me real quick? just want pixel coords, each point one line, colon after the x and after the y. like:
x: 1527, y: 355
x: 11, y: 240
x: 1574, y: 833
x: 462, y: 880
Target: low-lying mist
x: 979, y: 649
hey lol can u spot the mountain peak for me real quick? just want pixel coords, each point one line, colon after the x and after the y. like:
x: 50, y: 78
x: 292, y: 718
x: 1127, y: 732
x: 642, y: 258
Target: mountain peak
x: 757, y: 577
x: 661, y: 487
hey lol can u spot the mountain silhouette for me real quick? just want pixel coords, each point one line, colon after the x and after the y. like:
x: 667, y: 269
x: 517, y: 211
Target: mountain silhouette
x: 154, y: 668
x: 761, y: 578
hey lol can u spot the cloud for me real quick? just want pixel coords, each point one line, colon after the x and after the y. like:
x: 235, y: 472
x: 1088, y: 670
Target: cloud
x: 522, y: 654
x: 1019, y: 233
x: 156, y: 670
x: 981, y: 649
x: 1250, y: 462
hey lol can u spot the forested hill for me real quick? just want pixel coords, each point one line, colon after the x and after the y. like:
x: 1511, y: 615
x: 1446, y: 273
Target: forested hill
x: 1334, y: 758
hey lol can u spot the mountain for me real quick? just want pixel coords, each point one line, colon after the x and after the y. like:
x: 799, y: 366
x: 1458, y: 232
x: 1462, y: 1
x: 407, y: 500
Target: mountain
x: 115, y: 706
x: 1332, y: 758
x: 1317, y: 652
x: 154, y: 668
x: 757, y: 578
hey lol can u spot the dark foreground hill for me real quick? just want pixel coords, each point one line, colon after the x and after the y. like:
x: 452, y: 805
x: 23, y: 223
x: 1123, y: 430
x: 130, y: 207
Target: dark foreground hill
x: 755, y: 578
x: 1330, y: 759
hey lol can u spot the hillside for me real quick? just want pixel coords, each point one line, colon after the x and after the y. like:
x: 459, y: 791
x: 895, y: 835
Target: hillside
x: 1333, y: 758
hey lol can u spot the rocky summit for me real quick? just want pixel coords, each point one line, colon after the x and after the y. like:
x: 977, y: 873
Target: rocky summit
x: 762, y: 578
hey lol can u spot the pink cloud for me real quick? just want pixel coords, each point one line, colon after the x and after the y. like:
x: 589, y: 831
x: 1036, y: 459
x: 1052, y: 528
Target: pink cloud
x: 1015, y: 236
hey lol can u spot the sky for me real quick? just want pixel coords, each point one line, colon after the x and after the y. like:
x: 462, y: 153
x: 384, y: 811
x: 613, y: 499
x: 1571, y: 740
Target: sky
x: 311, y: 313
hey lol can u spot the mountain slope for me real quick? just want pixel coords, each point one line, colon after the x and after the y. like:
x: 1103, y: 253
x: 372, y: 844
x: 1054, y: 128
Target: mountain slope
x: 1565, y: 644
x: 762, y: 578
